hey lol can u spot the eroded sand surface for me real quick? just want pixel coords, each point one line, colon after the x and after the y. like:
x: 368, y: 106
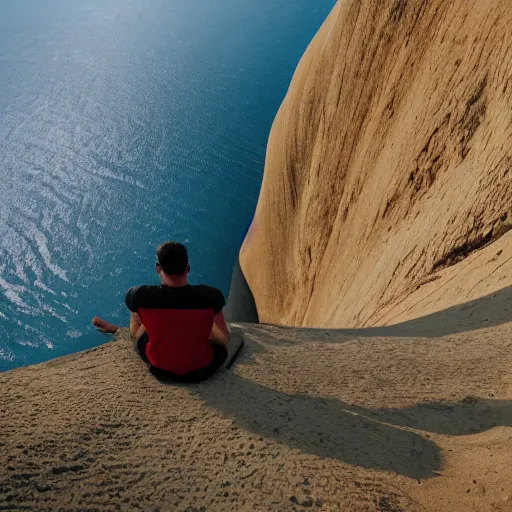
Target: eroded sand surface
x: 406, y: 418
x: 387, y: 183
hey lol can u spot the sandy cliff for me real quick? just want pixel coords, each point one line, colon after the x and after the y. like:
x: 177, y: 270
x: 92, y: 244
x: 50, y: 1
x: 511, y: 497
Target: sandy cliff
x: 408, y: 418
x: 388, y: 180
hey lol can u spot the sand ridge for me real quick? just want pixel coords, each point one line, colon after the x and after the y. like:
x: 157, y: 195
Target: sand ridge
x: 375, y: 420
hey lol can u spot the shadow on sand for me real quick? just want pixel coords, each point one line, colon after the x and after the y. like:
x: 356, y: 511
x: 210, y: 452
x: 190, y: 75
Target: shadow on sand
x: 382, y: 439
x: 323, y: 427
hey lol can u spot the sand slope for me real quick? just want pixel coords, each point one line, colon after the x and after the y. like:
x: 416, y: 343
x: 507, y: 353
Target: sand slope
x: 388, y: 179
x: 414, y: 417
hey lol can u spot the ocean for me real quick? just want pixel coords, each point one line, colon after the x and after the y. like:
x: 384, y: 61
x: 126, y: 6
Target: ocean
x: 125, y: 123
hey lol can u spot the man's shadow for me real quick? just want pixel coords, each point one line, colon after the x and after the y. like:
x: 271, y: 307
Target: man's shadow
x: 321, y: 426
x: 383, y: 439
x: 370, y: 438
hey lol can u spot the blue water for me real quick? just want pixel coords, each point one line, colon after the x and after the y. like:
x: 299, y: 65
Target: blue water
x: 124, y: 123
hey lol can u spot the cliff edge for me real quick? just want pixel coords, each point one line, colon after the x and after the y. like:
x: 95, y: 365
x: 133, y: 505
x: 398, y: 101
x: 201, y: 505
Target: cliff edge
x: 388, y: 178
x: 407, y: 418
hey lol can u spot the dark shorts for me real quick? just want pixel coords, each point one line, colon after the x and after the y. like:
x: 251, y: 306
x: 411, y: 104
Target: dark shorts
x: 220, y: 353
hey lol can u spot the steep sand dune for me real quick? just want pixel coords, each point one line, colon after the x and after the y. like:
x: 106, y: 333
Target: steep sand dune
x: 408, y: 418
x: 388, y: 180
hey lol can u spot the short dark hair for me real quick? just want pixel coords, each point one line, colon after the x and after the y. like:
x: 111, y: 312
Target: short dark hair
x: 173, y: 258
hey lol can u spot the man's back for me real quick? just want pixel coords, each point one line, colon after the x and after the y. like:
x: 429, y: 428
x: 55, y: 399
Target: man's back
x: 178, y: 321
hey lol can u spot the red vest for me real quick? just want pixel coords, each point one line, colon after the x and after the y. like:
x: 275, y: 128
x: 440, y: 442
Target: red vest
x: 178, y: 338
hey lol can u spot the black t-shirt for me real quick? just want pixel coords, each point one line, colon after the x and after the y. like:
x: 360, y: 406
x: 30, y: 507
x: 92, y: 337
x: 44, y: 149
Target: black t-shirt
x: 170, y: 297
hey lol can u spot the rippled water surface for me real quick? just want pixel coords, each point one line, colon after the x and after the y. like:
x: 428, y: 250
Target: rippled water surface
x: 124, y: 123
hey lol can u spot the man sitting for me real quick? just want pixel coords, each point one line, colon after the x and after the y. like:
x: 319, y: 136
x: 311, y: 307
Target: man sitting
x: 179, y: 329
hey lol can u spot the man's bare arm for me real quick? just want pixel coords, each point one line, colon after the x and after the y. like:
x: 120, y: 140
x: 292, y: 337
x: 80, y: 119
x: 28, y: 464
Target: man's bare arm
x: 220, y: 329
x: 136, y: 327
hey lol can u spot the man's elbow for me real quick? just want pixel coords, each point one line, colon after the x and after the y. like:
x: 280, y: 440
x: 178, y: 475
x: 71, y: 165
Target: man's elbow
x: 223, y: 336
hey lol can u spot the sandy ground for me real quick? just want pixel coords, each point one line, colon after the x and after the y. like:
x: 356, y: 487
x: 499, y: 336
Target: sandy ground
x: 414, y: 417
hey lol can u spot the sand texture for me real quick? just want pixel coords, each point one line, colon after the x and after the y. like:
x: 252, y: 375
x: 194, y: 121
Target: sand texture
x: 388, y: 178
x: 408, y: 418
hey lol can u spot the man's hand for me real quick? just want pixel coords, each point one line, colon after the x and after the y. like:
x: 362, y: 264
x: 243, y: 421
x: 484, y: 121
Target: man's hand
x: 104, y: 326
